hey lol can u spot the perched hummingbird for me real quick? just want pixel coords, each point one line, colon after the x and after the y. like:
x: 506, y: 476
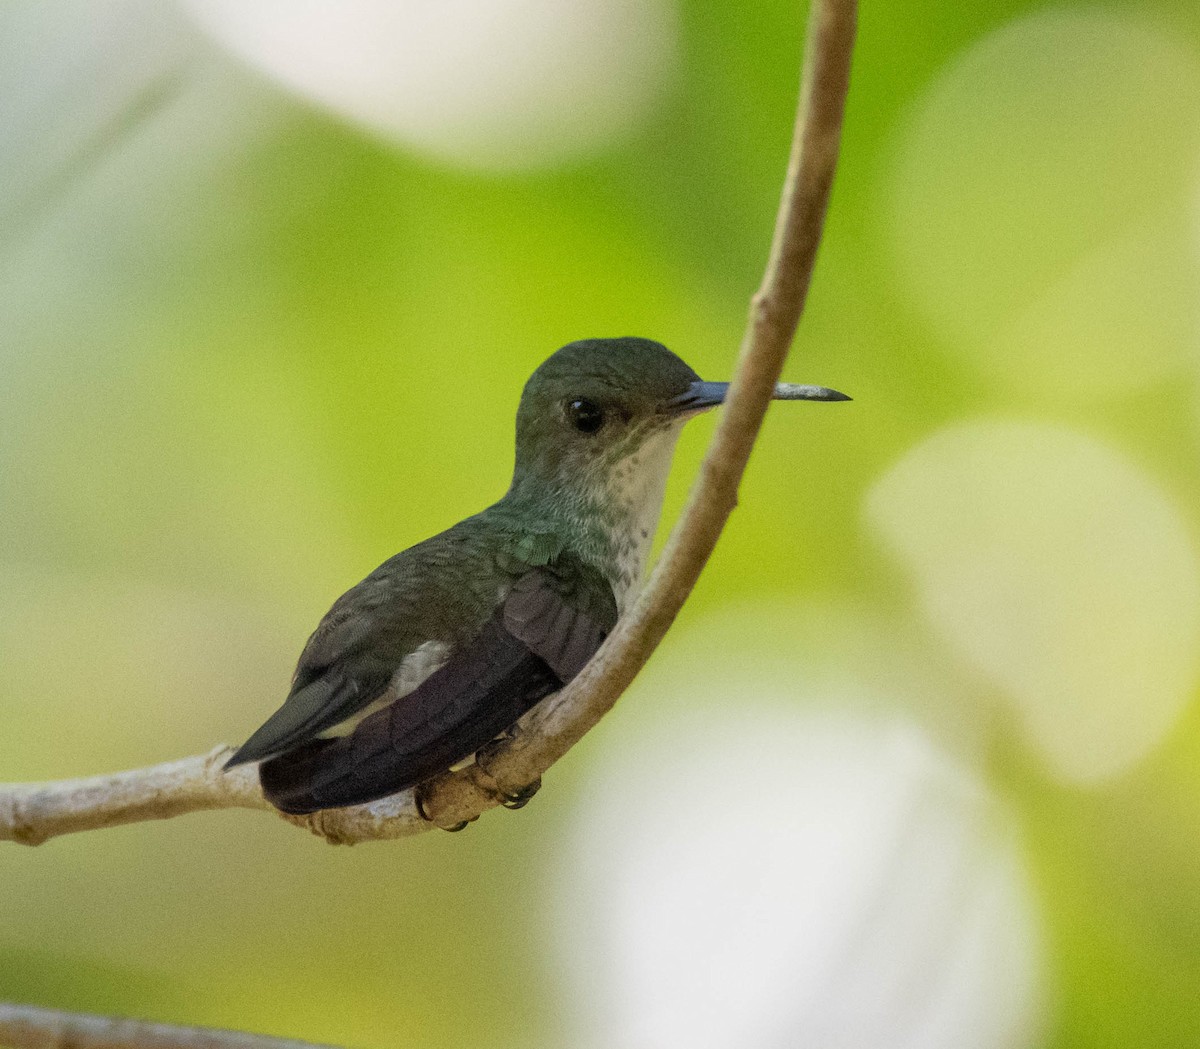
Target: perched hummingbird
x: 443, y: 647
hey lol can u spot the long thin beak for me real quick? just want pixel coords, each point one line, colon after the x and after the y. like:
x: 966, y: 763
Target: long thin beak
x: 701, y: 395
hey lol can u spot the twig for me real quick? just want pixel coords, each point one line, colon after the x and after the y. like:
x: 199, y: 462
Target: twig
x: 33, y: 813
x: 28, y: 1027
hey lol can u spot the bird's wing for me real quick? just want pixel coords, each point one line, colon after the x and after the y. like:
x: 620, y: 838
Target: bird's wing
x: 540, y: 637
x: 347, y: 664
x: 307, y: 712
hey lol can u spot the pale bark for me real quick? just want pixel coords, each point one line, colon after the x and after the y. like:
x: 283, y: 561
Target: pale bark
x: 29, y: 1027
x: 33, y: 813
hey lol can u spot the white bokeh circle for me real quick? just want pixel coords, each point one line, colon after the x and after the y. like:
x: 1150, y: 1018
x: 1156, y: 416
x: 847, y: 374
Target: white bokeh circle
x: 789, y: 878
x: 487, y: 84
x: 1037, y: 204
x: 1063, y: 573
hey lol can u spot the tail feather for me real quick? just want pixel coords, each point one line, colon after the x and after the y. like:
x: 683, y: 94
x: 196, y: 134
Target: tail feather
x: 287, y: 780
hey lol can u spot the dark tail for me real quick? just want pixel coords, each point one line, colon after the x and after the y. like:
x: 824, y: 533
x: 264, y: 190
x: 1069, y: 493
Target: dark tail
x: 287, y: 780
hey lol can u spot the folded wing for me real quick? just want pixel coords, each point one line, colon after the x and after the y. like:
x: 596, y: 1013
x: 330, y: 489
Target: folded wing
x: 325, y: 691
x: 538, y: 639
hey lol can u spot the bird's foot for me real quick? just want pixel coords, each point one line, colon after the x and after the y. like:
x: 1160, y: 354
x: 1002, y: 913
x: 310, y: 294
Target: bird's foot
x: 520, y: 798
x: 510, y: 799
x: 423, y: 812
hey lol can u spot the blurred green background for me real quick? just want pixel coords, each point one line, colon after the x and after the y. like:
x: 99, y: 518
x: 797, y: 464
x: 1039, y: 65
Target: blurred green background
x: 271, y: 278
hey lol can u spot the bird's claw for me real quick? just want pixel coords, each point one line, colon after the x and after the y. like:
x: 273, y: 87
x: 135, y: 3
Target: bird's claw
x: 510, y: 799
x: 419, y: 798
x: 519, y: 799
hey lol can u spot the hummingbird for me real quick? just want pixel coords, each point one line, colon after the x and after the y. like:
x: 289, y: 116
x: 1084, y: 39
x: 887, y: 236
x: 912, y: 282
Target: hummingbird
x: 445, y: 646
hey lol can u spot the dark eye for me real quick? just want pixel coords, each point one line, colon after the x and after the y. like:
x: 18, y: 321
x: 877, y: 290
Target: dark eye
x: 585, y: 416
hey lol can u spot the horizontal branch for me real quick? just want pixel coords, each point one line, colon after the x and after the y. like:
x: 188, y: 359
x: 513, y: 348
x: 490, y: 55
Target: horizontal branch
x: 30, y: 1027
x: 32, y: 814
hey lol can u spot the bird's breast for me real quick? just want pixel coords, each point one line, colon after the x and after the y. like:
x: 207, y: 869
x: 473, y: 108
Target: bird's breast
x: 637, y: 485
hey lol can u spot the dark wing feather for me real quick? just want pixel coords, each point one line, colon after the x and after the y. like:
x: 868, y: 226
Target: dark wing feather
x: 539, y: 639
x: 334, y: 680
x: 346, y: 664
x: 555, y: 627
x: 310, y: 709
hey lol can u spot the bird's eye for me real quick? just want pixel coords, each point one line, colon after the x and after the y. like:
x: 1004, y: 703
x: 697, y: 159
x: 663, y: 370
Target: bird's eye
x: 586, y: 416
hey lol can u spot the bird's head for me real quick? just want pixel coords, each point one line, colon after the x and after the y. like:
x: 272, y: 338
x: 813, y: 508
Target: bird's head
x: 599, y: 413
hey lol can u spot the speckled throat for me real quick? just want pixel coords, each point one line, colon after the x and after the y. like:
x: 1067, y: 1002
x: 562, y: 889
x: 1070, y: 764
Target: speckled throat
x: 637, y: 483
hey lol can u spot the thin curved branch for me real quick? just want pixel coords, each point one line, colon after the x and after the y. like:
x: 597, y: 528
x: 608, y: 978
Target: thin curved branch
x: 29, y: 1027
x: 558, y: 723
x: 33, y: 813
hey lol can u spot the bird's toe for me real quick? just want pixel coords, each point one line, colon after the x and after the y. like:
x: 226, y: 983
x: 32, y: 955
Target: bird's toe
x: 518, y: 799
